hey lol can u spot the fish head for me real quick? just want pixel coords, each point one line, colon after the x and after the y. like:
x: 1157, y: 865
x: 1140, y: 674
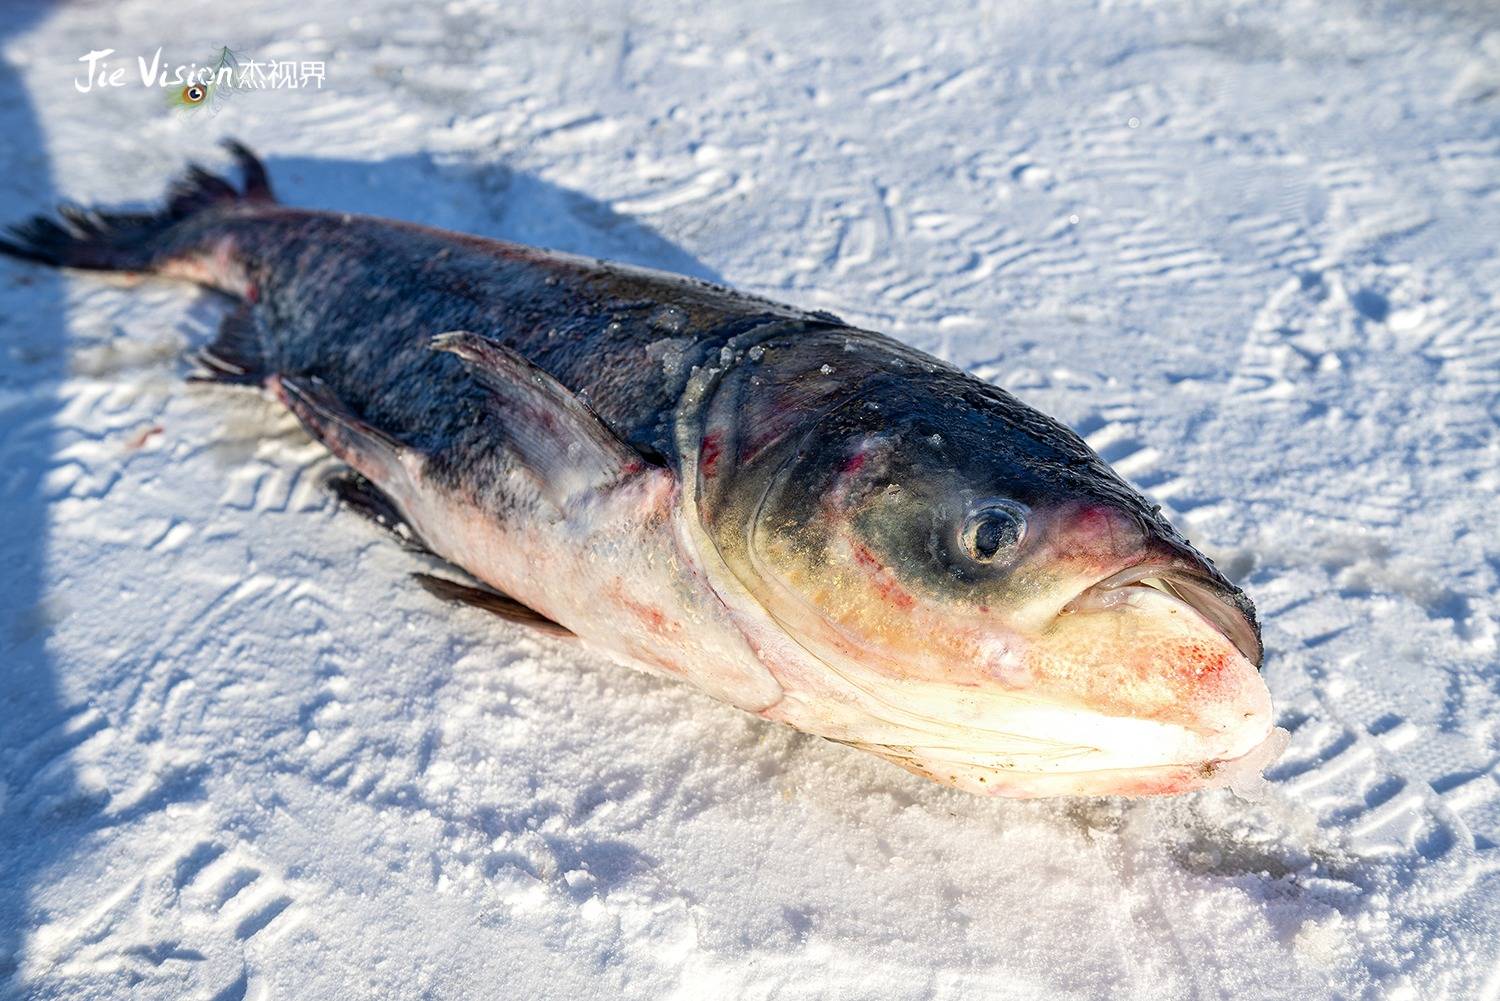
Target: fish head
x: 1002, y: 612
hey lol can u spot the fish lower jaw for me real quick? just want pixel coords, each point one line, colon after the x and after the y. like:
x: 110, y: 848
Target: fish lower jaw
x: 1242, y: 773
x: 1086, y: 754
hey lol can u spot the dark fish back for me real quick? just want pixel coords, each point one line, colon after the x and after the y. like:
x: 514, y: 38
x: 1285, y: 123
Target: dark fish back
x: 355, y: 301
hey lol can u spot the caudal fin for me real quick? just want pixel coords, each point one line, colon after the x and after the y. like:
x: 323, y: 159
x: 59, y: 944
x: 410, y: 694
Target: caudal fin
x: 132, y: 241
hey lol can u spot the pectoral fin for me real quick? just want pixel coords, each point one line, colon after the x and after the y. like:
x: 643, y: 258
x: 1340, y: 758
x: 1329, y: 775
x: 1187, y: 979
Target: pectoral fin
x: 552, y: 432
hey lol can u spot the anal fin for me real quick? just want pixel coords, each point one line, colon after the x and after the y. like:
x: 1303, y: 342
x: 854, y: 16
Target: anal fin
x: 376, y: 458
x: 373, y: 453
x: 235, y: 356
x: 490, y: 601
x: 365, y: 499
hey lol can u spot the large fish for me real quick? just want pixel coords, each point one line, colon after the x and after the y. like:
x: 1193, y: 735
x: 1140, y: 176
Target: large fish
x: 807, y: 520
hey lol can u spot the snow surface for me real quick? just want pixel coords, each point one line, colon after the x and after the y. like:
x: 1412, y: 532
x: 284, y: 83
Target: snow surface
x: 1249, y: 251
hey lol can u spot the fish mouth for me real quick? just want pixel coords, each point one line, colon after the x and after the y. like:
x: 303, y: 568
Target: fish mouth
x: 1035, y: 767
x: 1220, y: 604
x: 1242, y: 772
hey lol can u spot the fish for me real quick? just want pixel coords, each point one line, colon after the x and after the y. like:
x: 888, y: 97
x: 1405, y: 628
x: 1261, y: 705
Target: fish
x: 807, y: 520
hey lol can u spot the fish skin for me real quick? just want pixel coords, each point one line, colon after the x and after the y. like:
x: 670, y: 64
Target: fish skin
x: 356, y: 301
x: 322, y: 278
x: 718, y: 394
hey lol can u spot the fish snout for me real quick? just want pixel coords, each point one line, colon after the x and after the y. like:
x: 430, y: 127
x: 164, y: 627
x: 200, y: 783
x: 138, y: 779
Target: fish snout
x: 1117, y: 548
x: 1096, y: 537
x: 1153, y: 633
x: 1219, y: 603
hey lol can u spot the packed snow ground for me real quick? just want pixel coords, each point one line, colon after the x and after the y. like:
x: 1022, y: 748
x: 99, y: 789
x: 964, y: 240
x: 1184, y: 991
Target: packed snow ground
x: 1249, y: 251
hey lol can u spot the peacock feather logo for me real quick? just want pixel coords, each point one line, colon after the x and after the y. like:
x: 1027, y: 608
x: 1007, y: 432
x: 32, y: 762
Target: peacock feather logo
x: 209, y: 86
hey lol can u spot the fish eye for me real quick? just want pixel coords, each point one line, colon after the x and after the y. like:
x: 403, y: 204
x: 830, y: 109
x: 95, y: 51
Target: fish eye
x: 993, y: 529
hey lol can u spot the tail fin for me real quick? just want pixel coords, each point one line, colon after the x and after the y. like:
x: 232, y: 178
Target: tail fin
x: 131, y: 241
